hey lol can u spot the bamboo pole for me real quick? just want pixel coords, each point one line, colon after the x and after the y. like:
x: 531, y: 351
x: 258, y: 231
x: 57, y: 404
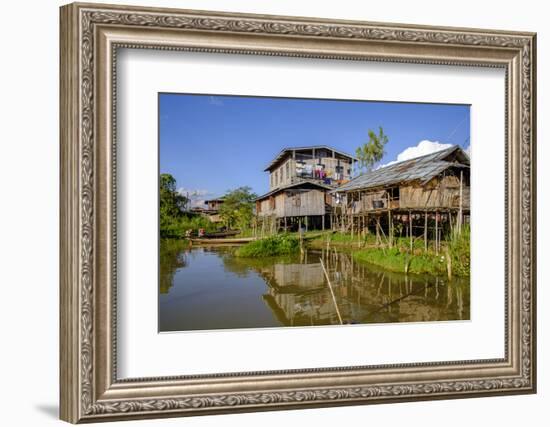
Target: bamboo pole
x: 390, y: 231
x: 410, y: 230
x: 426, y: 231
x: 436, y: 234
x: 459, y: 222
x: 331, y: 292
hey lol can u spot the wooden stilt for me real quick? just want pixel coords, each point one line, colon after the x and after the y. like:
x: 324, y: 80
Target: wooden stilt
x: 436, y: 233
x: 377, y: 229
x: 426, y: 230
x: 410, y: 229
x: 459, y: 219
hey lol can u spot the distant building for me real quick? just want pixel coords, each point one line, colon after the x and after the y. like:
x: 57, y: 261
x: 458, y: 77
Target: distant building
x: 211, y: 210
x: 299, y: 181
x: 213, y: 204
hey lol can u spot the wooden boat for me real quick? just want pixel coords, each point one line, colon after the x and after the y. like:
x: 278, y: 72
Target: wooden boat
x: 226, y: 241
x: 220, y: 234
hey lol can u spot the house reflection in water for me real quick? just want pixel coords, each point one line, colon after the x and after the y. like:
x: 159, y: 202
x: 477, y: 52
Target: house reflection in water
x: 299, y: 294
x: 207, y: 288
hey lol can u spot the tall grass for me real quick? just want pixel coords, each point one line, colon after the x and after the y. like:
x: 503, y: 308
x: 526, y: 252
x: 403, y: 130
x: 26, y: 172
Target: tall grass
x: 459, y: 251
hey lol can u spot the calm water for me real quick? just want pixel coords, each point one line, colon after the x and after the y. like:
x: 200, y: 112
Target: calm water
x: 209, y: 288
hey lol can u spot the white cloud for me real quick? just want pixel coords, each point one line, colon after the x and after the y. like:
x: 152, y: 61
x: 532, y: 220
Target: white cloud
x: 213, y: 100
x: 421, y: 149
x: 196, y: 196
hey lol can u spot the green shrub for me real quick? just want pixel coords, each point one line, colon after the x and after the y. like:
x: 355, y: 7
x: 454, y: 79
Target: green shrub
x: 280, y: 244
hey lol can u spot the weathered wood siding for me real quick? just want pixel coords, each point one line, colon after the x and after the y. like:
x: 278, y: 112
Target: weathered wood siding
x: 302, y: 203
x: 292, y: 203
x: 440, y: 192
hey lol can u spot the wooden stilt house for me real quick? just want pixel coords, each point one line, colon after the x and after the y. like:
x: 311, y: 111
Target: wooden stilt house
x: 300, y: 179
x: 421, y: 195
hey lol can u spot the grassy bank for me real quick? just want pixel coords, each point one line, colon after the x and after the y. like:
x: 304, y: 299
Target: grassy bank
x: 395, y: 259
x: 398, y: 258
x: 280, y: 244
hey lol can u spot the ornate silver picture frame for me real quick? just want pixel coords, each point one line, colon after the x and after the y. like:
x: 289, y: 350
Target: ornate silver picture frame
x: 90, y: 388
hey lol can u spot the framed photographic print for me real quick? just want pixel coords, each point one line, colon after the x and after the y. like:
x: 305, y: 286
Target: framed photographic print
x: 264, y: 212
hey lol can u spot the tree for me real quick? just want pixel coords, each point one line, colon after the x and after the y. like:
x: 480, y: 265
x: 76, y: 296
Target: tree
x: 237, y: 208
x: 372, y: 151
x: 172, y: 205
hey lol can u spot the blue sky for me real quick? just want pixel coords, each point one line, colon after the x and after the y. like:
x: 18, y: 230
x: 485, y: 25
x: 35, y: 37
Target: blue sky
x: 212, y: 144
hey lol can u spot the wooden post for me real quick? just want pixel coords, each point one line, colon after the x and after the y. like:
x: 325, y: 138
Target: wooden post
x: 410, y: 229
x: 426, y: 230
x: 285, y: 225
x: 323, y: 222
x: 390, y: 236
x: 459, y: 222
x: 436, y: 234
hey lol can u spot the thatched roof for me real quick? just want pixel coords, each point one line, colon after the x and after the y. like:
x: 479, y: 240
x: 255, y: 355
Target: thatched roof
x: 421, y: 169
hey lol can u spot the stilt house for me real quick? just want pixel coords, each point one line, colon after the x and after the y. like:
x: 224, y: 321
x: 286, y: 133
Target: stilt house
x: 434, y: 187
x: 300, y: 180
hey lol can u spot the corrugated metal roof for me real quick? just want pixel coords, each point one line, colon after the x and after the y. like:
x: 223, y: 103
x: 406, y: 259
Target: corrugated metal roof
x: 421, y: 168
x: 293, y: 185
x: 285, y: 150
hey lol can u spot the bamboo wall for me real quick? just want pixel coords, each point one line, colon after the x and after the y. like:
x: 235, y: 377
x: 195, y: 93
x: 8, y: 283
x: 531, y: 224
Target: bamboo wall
x: 440, y: 192
x: 294, y: 203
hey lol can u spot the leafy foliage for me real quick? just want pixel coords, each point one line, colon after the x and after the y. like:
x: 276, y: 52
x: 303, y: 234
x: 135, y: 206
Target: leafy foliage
x: 237, y: 209
x: 174, y: 221
x: 372, y: 151
x: 459, y: 250
x: 172, y: 203
x: 279, y: 244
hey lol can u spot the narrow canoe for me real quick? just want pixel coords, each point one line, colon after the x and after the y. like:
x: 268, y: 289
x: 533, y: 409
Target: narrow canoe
x: 223, y: 241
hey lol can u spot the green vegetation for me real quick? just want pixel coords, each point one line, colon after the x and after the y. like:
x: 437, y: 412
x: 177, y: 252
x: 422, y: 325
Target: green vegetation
x: 459, y: 251
x: 399, y: 260
x: 237, y: 209
x: 372, y: 151
x: 279, y: 244
x: 174, y: 221
x: 399, y: 257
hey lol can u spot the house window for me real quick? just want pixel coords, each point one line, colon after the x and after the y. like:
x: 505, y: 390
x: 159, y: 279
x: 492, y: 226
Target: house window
x: 297, y: 200
x: 394, y: 193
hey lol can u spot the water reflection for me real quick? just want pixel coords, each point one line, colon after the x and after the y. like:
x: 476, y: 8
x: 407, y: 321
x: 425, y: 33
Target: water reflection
x: 212, y: 289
